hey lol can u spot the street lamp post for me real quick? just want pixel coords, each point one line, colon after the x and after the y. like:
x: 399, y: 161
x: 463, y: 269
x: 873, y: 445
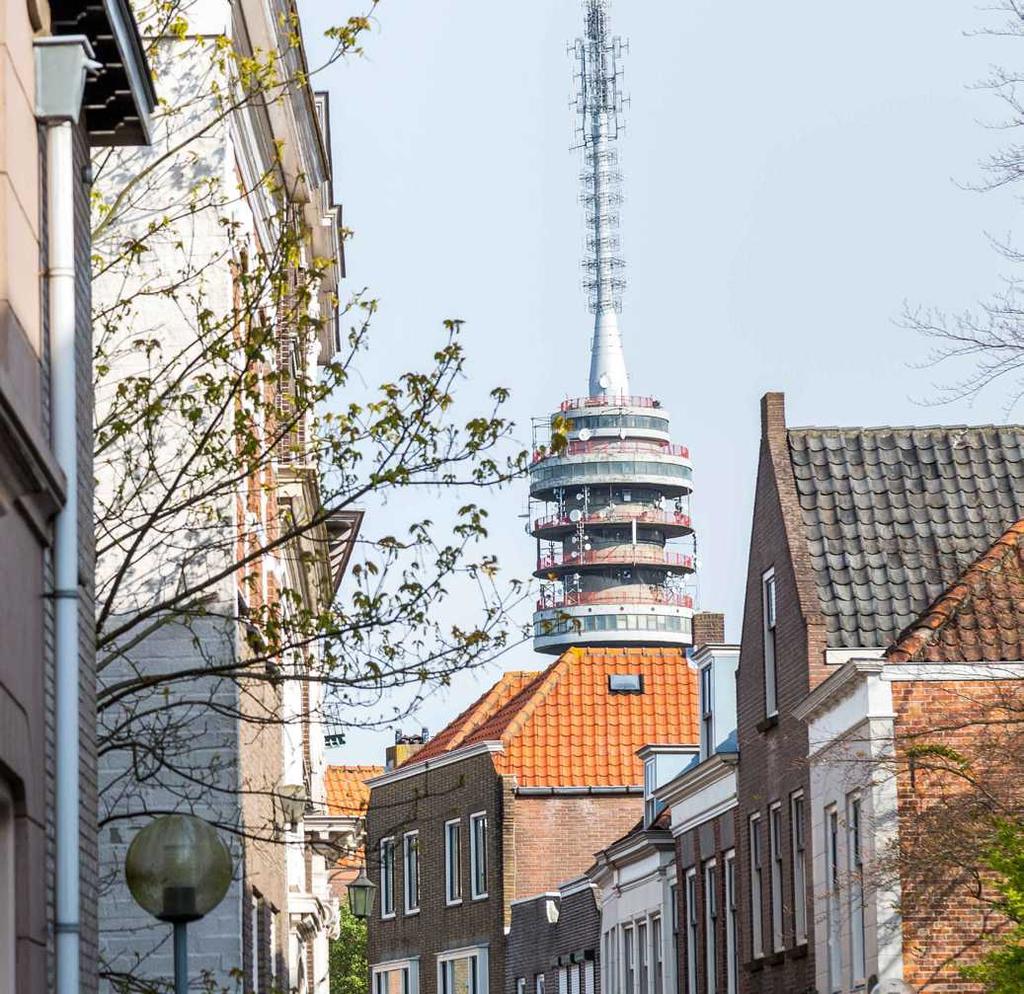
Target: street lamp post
x: 178, y: 869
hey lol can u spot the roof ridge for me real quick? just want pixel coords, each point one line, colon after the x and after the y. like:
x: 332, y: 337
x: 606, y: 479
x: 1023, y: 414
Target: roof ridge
x: 481, y: 712
x: 539, y: 693
x: 920, y: 633
x: 932, y: 427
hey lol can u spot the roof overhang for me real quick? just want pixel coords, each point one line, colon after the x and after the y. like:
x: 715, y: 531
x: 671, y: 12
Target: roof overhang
x: 119, y: 98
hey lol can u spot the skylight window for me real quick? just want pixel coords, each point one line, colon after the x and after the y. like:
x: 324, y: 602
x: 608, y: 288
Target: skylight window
x: 626, y: 683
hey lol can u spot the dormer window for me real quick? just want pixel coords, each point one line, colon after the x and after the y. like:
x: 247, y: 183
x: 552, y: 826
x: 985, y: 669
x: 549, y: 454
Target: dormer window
x: 707, y: 739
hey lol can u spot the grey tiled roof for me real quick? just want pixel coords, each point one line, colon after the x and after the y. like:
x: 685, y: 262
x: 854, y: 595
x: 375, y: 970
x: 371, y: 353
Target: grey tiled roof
x: 892, y: 516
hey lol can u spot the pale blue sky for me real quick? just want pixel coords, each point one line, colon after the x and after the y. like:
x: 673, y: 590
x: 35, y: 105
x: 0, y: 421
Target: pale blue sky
x: 789, y: 175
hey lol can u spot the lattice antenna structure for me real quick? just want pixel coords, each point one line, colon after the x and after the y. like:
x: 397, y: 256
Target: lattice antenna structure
x: 599, y: 106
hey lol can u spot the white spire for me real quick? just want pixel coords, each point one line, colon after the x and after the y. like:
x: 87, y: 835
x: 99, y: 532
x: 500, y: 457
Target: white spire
x: 599, y: 106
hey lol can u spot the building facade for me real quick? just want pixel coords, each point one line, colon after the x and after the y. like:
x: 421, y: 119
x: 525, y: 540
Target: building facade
x: 509, y: 801
x: 206, y: 707
x: 72, y: 78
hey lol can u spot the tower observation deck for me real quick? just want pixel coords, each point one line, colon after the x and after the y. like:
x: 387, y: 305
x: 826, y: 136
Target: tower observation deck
x: 610, y: 510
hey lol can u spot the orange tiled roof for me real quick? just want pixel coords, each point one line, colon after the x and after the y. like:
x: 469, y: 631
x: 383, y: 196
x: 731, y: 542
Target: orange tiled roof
x: 347, y: 793
x: 563, y: 727
x: 980, y: 618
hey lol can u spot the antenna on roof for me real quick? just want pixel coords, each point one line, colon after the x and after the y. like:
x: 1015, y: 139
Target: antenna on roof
x: 599, y: 104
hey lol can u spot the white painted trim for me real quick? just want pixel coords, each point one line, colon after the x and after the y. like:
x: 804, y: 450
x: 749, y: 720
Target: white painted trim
x: 836, y: 657
x: 455, y: 756
x: 448, y: 900
x: 836, y: 686
x: 695, y: 778
x: 473, y: 893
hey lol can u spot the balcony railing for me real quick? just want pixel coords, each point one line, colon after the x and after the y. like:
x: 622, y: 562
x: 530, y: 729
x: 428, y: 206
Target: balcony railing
x: 621, y: 514
x: 619, y: 555
x: 610, y: 448
x: 650, y: 596
x: 603, y: 400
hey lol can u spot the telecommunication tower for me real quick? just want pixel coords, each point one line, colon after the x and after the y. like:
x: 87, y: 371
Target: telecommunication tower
x: 605, y: 508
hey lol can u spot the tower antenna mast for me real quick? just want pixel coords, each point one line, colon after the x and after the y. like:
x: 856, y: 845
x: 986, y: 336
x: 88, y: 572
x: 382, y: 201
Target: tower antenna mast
x: 599, y: 104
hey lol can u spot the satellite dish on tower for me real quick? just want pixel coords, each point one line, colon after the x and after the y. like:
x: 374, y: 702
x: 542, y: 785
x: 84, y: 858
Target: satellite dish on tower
x: 604, y: 381
x: 585, y: 434
x: 575, y: 514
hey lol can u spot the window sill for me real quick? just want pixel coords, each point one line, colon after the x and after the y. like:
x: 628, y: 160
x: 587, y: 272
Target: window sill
x: 765, y: 724
x: 412, y: 912
x: 480, y: 897
x: 388, y: 918
x: 797, y: 952
x: 453, y: 904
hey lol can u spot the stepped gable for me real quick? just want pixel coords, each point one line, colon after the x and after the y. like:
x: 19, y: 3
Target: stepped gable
x: 980, y: 618
x: 893, y: 516
x: 347, y: 792
x: 564, y: 727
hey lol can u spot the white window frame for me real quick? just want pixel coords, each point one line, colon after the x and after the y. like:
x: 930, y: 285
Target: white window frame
x: 8, y: 891
x: 475, y: 856
x: 480, y: 968
x: 411, y: 874
x: 834, y: 952
x: 732, y: 977
x: 628, y: 959
x: 539, y: 983
x: 272, y: 917
x: 690, y: 893
x: 711, y: 914
x: 658, y: 985
x: 855, y: 872
x: 410, y: 982
x: 387, y: 878
x: 776, y: 869
x: 707, y: 709
x: 453, y: 881
x: 756, y: 887
x: 769, y: 616
x: 650, y: 782
x: 520, y: 985
x: 643, y: 957
x: 255, y: 974
x: 798, y: 843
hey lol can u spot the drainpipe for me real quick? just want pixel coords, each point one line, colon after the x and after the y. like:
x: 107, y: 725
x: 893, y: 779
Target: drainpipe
x: 61, y: 64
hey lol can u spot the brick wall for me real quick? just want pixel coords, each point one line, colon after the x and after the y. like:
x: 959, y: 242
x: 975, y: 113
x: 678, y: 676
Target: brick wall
x: 708, y: 627
x: 773, y: 752
x: 556, y: 837
x: 943, y: 820
x: 535, y: 944
x: 424, y: 803
x: 693, y: 849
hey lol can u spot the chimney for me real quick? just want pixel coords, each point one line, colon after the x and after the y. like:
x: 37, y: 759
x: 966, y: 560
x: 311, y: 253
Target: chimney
x: 405, y: 747
x: 773, y: 415
x: 708, y: 627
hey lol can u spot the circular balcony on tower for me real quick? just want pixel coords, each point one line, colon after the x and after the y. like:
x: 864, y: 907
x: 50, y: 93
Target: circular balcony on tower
x: 554, y: 527
x: 609, y: 618
x: 595, y: 462
x: 619, y: 417
x: 557, y: 563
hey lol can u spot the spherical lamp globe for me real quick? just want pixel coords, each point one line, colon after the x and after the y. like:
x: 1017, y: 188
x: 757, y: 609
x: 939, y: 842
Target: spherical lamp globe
x: 178, y: 868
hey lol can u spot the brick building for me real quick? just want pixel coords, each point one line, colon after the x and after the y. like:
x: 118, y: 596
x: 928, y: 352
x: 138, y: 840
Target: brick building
x: 855, y: 532
x: 47, y: 125
x: 347, y: 798
x: 511, y: 799
x: 553, y: 942
x: 913, y: 755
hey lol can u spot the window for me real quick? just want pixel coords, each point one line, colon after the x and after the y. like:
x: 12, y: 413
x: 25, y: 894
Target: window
x: 400, y: 977
x: 8, y: 862
x: 463, y: 972
x: 775, y: 853
x: 691, y: 932
x: 710, y: 927
x: 411, y: 871
x: 835, y: 965
x: 273, y: 948
x: 855, y: 856
x: 610, y: 962
x: 453, y: 861
x: 628, y: 961
x: 642, y: 956
x: 674, y: 891
x: 732, y: 959
x: 657, y: 956
x: 626, y: 683
x: 756, y: 889
x: 707, y: 741
x: 538, y: 984
x: 478, y: 854
x: 799, y: 844
x: 520, y: 985
x: 387, y: 878
x: 768, y: 611
x: 650, y: 801
x: 255, y: 945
